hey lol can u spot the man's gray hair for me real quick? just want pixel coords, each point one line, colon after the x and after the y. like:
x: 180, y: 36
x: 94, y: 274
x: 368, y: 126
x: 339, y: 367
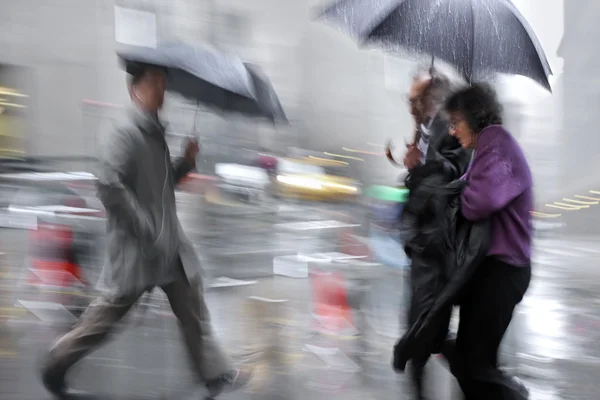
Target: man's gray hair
x: 443, y: 82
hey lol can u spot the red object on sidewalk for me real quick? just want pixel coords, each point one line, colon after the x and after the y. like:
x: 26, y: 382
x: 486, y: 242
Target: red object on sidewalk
x: 55, y: 273
x: 51, y: 266
x: 331, y: 309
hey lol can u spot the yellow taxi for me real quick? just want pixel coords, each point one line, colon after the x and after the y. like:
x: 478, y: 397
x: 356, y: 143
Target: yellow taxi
x: 314, y: 181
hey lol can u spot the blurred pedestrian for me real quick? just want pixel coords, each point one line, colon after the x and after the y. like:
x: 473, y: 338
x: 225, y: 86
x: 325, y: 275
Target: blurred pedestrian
x: 429, y: 90
x: 500, y: 189
x: 146, y: 244
x: 268, y: 162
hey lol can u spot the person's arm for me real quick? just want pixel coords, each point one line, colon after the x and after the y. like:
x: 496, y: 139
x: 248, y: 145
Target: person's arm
x: 411, y: 155
x: 115, y: 165
x: 491, y: 185
x: 187, y: 163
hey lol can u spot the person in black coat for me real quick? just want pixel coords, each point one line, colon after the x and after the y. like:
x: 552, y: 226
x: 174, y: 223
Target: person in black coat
x: 428, y: 92
x: 444, y: 248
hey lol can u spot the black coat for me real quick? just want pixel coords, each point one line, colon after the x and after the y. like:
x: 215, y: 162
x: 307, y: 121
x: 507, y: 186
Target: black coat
x: 443, y: 246
x: 438, y: 133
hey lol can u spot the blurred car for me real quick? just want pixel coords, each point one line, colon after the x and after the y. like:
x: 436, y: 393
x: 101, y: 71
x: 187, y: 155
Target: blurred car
x: 309, y: 181
x: 242, y: 182
x: 28, y: 197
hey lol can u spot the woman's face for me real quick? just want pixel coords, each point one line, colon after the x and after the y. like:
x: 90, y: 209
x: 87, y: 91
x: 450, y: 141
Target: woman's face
x: 461, y: 131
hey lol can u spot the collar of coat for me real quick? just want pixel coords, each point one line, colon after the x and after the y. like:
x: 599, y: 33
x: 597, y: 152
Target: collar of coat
x: 149, y: 124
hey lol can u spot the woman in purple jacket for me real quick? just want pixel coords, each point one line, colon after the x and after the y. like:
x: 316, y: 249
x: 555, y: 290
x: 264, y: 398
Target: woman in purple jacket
x: 500, y: 189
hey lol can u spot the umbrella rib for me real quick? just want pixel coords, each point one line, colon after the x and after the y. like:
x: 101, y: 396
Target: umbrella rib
x: 531, y: 36
x: 472, y: 47
x: 530, y: 33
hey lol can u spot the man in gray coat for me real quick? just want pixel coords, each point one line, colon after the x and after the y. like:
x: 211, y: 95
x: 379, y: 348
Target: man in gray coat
x: 146, y: 244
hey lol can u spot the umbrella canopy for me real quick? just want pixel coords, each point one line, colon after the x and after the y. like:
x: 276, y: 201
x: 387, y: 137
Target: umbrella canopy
x: 478, y: 37
x: 215, y: 79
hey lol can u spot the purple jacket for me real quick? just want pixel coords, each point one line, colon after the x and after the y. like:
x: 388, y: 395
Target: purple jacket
x: 501, y: 189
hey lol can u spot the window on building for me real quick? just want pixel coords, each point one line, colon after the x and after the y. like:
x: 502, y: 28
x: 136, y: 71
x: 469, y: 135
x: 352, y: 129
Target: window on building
x: 13, y: 107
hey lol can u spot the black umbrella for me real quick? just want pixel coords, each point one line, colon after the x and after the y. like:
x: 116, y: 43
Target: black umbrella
x: 210, y: 77
x: 478, y: 37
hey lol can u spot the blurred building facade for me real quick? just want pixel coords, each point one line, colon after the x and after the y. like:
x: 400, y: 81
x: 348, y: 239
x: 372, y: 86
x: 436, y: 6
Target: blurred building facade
x: 14, y: 119
x: 581, y: 94
x: 334, y: 94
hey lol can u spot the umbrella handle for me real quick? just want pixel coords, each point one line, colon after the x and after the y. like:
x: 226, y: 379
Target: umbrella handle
x: 195, y: 118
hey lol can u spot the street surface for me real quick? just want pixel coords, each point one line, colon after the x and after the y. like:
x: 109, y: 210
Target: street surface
x: 266, y: 322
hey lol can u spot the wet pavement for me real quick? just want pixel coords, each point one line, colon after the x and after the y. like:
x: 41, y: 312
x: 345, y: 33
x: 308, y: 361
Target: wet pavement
x: 552, y: 344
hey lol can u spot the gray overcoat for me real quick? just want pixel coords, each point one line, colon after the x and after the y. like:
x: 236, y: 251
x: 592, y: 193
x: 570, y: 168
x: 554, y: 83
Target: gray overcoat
x: 136, y: 183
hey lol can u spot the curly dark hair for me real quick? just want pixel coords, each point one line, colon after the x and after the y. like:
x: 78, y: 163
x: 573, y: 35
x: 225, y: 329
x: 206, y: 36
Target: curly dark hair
x: 478, y: 104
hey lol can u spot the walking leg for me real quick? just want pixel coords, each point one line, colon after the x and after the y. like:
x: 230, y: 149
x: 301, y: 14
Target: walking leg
x: 206, y: 355
x: 486, y: 312
x: 417, y: 374
x: 91, y: 331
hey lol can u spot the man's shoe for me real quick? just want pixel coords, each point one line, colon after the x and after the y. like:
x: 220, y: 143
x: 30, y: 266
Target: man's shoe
x: 520, y: 388
x: 228, y: 382
x: 53, y: 382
